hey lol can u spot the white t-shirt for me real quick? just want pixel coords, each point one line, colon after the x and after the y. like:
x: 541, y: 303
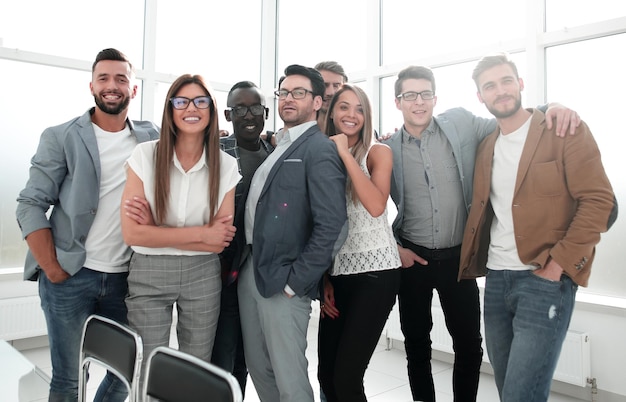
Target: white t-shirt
x: 506, y: 156
x: 106, y: 251
x: 189, y: 191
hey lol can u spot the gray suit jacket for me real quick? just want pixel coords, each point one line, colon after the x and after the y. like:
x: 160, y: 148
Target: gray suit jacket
x: 300, y: 214
x: 464, y: 131
x: 65, y: 174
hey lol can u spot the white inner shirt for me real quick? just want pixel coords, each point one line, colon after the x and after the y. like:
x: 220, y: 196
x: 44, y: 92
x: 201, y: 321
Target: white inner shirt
x: 506, y: 156
x: 106, y: 250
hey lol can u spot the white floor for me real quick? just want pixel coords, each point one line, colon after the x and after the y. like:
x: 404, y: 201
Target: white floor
x: 385, y: 380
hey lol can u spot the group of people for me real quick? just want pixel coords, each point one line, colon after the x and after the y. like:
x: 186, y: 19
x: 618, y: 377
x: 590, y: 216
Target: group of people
x: 241, y: 233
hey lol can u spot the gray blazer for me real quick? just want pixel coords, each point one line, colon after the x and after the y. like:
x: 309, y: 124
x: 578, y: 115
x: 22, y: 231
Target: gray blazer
x: 300, y: 214
x: 464, y: 131
x: 65, y: 174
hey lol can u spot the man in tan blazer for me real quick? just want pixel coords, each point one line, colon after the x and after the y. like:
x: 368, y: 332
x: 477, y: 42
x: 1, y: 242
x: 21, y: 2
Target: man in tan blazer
x: 539, y: 205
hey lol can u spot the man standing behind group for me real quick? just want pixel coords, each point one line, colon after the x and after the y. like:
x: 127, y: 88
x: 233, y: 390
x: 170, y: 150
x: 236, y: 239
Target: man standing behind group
x: 247, y: 112
x: 540, y: 203
x: 334, y: 77
x: 294, y: 214
x: 432, y: 186
x: 78, y: 254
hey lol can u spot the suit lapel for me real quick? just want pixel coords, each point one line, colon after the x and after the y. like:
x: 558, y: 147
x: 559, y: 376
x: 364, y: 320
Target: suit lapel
x: 88, y: 136
x: 293, y: 147
x: 489, y: 145
x: 530, y: 147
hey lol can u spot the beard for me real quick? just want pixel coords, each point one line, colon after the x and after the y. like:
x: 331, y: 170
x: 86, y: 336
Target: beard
x: 115, y: 109
x: 506, y: 113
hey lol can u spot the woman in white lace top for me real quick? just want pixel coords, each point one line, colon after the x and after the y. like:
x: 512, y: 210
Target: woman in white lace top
x: 362, y: 285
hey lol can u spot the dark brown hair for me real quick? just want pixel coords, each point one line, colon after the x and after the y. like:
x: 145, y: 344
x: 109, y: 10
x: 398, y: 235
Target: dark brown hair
x: 164, y: 152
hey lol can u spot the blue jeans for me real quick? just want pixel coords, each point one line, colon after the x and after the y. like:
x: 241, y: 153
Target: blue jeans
x: 526, y: 320
x: 66, y: 306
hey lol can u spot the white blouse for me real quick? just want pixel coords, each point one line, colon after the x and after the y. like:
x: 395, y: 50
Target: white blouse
x: 370, y: 245
x: 189, y: 191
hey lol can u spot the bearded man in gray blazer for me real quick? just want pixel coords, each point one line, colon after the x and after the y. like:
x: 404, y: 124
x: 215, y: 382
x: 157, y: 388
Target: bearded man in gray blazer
x: 78, y: 254
x: 295, y: 212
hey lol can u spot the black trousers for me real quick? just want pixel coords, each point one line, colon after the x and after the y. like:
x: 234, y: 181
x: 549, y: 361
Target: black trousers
x: 346, y: 343
x: 461, y: 308
x: 228, y: 347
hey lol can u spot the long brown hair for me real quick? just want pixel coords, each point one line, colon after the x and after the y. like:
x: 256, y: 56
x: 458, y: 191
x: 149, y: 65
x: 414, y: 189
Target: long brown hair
x: 366, y: 135
x: 164, y: 152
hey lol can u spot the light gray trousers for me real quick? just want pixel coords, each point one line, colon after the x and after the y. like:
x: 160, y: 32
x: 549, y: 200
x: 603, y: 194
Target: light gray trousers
x: 274, y: 337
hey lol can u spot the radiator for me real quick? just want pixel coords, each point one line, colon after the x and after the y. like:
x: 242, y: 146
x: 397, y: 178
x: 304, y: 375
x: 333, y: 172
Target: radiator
x: 21, y: 317
x: 574, y: 365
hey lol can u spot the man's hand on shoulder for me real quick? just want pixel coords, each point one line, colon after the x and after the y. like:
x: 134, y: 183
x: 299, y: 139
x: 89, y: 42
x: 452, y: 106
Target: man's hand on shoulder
x: 387, y: 136
x: 565, y: 119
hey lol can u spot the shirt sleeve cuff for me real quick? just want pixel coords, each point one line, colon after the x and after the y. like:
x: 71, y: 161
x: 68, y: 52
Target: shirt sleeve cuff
x: 289, y: 291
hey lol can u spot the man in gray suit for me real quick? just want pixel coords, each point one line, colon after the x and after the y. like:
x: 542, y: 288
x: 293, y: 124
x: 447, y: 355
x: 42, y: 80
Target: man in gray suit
x: 78, y: 254
x: 295, y: 212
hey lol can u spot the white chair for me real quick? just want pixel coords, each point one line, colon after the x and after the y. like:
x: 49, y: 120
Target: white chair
x: 174, y: 376
x: 113, y: 346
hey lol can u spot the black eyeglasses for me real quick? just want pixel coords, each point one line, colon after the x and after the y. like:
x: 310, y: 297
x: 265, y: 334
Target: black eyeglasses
x: 412, y: 95
x: 298, y: 93
x: 240, y: 111
x: 181, y: 103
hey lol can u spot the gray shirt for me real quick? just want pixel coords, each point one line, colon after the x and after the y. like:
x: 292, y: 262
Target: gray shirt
x: 434, y: 212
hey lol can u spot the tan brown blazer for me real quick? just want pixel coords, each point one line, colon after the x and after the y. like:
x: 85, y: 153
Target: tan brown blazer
x: 563, y: 200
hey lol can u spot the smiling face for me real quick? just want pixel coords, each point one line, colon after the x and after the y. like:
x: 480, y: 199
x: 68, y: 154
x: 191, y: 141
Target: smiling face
x: 418, y: 113
x: 111, y: 86
x: 191, y: 120
x: 500, y: 90
x: 247, y: 128
x: 332, y: 83
x: 347, y: 116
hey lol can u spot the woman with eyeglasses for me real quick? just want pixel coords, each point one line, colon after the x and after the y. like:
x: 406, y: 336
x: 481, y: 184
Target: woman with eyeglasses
x: 361, y: 288
x: 177, y: 215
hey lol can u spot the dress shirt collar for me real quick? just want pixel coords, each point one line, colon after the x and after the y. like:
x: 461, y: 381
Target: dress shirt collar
x: 199, y: 165
x: 294, y: 132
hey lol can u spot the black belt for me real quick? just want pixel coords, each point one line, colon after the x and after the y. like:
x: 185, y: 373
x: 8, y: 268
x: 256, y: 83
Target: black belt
x: 437, y: 254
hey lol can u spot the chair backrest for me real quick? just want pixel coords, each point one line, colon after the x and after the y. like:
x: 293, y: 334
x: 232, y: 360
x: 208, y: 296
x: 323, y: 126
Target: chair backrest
x: 175, y: 376
x: 113, y: 346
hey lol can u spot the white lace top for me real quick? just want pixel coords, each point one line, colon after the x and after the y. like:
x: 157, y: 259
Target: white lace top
x: 370, y: 245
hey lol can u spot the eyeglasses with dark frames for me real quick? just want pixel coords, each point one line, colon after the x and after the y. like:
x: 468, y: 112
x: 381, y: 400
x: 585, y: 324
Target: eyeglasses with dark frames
x: 412, y: 95
x: 182, y: 103
x: 240, y: 111
x: 298, y: 93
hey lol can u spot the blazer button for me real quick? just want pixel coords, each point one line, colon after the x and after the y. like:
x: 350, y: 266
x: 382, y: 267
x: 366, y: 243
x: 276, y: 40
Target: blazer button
x: 473, y: 230
x: 93, y: 211
x: 482, y: 203
x: 82, y: 239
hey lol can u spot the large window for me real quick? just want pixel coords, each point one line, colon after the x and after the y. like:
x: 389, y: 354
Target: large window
x: 46, y: 54
x: 594, y: 86
x: 421, y: 30
x: 41, y: 97
x: 323, y: 30
x: 75, y: 29
x: 220, y: 40
x: 561, y: 15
